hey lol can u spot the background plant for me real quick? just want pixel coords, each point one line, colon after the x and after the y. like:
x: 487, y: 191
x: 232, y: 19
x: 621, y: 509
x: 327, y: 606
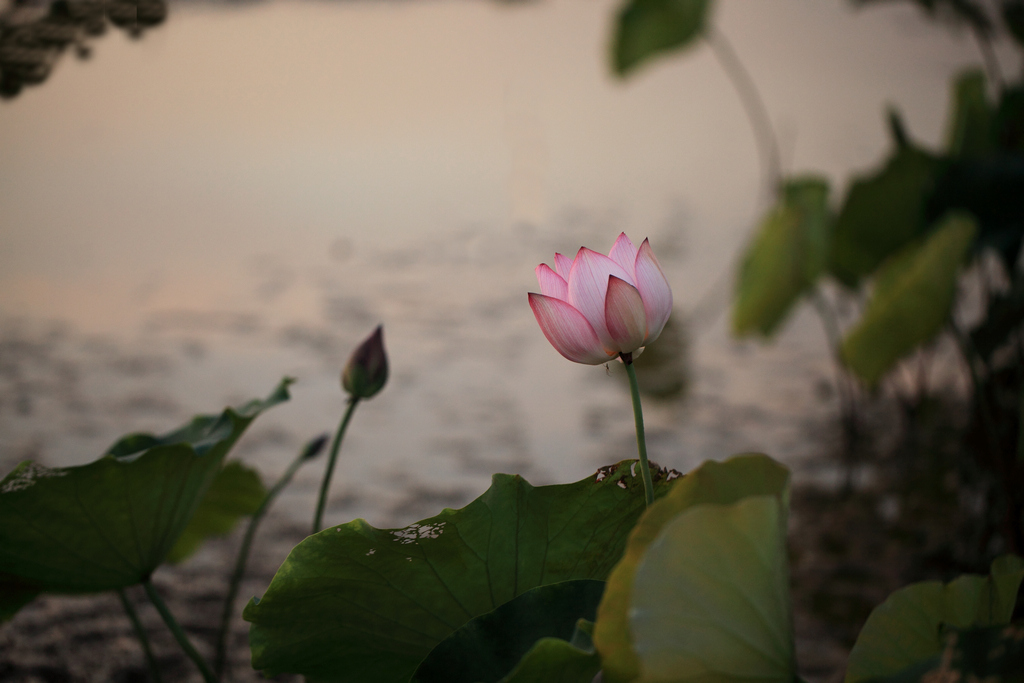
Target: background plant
x: 906, y: 244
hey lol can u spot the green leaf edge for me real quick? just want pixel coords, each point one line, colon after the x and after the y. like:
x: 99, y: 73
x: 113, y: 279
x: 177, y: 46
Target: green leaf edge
x: 727, y: 482
x: 16, y: 591
x: 1003, y: 583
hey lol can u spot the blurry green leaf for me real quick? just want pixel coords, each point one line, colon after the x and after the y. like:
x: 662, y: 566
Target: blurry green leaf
x: 235, y: 492
x: 1013, y: 17
x: 711, y: 600
x: 882, y: 213
x: 110, y: 523
x: 356, y: 603
x: 970, y: 128
x: 908, y: 626
x: 911, y: 302
x: 647, y: 28
x: 897, y: 129
x: 992, y: 190
x: 994, y: 654
x: 1004, y: 316
x: 968, y: 12
x: 489, y: 648
x: 785, y: 259
x: 1009, y: 120
x: 713, y: 482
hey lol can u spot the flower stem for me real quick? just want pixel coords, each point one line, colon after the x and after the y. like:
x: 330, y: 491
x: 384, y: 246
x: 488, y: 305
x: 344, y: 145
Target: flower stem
x: 638, y: 418
x: 220, y: 658
x: 753, y: 105
x: 178, y: 633
x: 140, y: 633
x: 335, y: 447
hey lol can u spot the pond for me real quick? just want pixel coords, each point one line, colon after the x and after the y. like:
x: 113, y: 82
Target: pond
x: 245, y: 190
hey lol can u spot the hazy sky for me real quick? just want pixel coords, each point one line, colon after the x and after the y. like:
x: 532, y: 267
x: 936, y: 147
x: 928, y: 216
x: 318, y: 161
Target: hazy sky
x: 153, y: 174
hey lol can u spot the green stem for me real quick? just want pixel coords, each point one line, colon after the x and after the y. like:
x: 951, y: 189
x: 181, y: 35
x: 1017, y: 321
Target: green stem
x: 1003, y: 466
x: 335, y: 447
x: 753, y: 105
x: 835, y: 340
x: 638, y: 418
x: 1020, y: 429
x: 178, y: 633
x: 243, y: 557
x: 988, y: 55
x: 971, y: 356
x: 140, y: 633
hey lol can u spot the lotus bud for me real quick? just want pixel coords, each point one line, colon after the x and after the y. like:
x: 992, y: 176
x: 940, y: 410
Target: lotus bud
x: 314, y: 447
x: 367, y: 369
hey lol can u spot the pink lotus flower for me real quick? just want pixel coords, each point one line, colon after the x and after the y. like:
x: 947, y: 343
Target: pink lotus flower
x: 596, y: 307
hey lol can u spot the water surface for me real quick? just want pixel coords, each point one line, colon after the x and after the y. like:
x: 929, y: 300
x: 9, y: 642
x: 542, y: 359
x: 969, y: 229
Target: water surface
x: 248, y: 189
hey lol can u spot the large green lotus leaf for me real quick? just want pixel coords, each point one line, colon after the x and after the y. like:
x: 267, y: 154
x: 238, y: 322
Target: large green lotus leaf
x: 993, y: 654
x: 883, y: 212
x: 912, y: 299
x: 908, y: 626
x: 785, y: 259
x: 237, y: 491
x: 970, y: 127
x: 553, y: 660
x: 648, y: 28
x: 109, y: 524
x: 710, y: 599
x: 488, y: 649
x: 356, y: 603
x: 720, y: 483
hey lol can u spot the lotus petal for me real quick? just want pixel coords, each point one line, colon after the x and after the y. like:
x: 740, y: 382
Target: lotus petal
x: 588, y: 286
x: 654, y: 290
x: 624, y: 253
x: 563, y: 264
x: 568, y: 330
x: 612, y: 304
x: 624, y: 313
x: 551, y: 283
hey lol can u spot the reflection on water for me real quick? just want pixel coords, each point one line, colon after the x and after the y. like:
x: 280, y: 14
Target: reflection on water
x: 662, y: 370
x: 34, y: 34
x: 475, y: 387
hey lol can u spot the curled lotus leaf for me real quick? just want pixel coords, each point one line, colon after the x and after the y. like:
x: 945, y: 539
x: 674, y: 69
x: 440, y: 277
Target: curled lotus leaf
x: 110, y: 523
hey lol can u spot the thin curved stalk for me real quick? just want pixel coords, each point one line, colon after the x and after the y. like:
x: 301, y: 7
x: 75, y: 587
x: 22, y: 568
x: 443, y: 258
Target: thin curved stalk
x: 753, y: 105
x: 140, y: 633
x: 335, y: 447
x: 638, y: 419
x: 970, y: 356
x: 988, y: 55
x: 1020, y: 430
x: 178, y: 633
x: 220, y: 659
x: 1003, y: 465
x: 834, y: 337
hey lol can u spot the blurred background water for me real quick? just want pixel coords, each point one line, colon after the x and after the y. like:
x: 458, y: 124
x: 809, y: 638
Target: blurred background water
x: 244, y: 191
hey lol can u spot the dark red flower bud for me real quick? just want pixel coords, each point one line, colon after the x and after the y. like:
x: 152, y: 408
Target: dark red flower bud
x: 367, y: 369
